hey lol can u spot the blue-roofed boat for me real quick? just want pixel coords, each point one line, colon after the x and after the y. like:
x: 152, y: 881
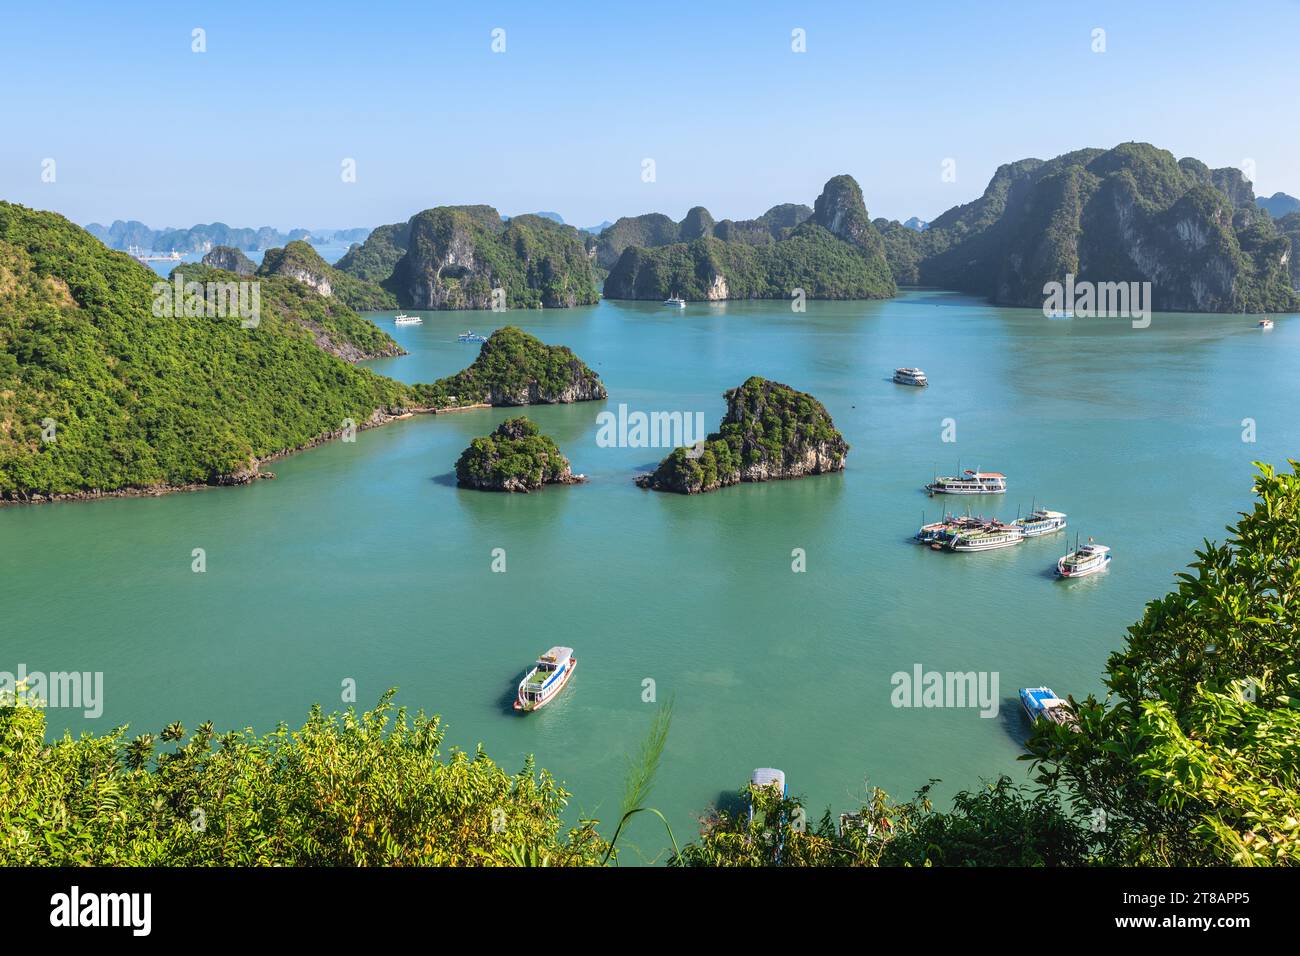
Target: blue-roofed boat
x: 469, y: 335
x: 1041, y: 703
x: 545, y: 679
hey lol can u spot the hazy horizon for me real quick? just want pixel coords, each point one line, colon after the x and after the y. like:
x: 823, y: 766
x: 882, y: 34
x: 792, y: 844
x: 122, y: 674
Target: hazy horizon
x: 255, y: 130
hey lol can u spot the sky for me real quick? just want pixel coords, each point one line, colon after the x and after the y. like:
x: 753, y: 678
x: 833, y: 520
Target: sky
x: 256, y: 129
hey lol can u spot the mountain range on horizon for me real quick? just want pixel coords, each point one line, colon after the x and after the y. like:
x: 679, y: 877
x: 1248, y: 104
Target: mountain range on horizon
x: 1131, y: 213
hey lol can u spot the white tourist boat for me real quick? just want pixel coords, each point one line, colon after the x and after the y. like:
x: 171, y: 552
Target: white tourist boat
x: 469, y: 335
x: 1083, y: 561
x: 1264, y: 324
x: 1041, y: 521
x: 990, y: 537
x: 969, y: 483
x: 676, y: 300
x: 910, y: 376
x: 403, y: 319
x: 545, y: 679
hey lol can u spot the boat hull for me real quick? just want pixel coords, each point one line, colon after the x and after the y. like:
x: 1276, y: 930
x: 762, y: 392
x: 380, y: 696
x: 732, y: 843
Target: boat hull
x: 985, y: 545
x: 1062, y: 572
x: 530, y: 706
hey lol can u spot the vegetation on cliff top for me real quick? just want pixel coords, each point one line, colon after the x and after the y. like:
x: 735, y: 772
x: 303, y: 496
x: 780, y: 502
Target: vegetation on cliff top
x: 769, y: 431
x: 515, y: 368
x: 515, y: 457
x: 453, y: 257
x: 299, y: 260
x: 1128, y: 214
x: 96, y: 392
x: 835, y: 253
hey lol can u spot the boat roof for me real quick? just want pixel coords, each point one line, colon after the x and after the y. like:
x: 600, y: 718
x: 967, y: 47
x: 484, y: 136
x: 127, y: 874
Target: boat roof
x: 1050, y: 514
x: 1043, y: 696
x: 556, y: 655
x: 768, y: 777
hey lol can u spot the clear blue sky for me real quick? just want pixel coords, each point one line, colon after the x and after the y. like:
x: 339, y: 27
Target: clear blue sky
x: 253, y: 131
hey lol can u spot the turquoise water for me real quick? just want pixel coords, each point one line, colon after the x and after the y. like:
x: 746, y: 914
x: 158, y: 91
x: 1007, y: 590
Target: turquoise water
x: 364, y: 561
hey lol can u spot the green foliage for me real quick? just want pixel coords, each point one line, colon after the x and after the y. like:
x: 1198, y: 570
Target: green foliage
x: 769, y: 427
x: 1128, y: 214
x: 300, y: 261
x: 998, y: 825
x: 141, y: 401
x: 515, y: 457
x: 343, y: 790
x: 453, y: 257
x: 515, y: 368
x: 1183, y: 767
x: 811, y: 258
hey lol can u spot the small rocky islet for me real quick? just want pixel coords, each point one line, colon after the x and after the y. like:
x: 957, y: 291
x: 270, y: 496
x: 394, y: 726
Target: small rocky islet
x: 771, y: 432
x: 516, y: 457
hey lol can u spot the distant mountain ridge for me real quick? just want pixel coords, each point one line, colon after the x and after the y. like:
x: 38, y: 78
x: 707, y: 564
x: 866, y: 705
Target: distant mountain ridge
x: 1278, y: 205
x: 203, y: 237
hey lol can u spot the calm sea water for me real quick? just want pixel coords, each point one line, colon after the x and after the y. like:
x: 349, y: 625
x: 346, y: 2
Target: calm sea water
x: 364, y: 561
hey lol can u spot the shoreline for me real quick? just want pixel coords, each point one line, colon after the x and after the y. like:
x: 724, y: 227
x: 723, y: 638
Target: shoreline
x: 377, y: 419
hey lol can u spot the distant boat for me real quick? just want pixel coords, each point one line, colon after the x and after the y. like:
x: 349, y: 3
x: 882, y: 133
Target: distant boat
x: 1041, y: 703
x: 545, y: 679
x: 470, y: 336
x: 1264, y: 324
x: 676, y: 300
x: 403, y: 319
x: 1083, y: 561
x: 1061, y: 314
x: 1041, y: 521
x: 910, y: 376
x: 969, y: 483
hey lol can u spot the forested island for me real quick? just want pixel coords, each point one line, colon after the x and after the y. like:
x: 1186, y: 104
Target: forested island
x: 834, y: 252
x: 515, y: 457
x: 1133, y: 213
x: 455, y: 257
x: 770, y: 432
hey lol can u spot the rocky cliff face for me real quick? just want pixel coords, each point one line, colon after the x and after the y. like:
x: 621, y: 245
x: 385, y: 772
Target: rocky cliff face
x: 516, y: 457
x: 231, y: 260
x: 834, y: 253
x: 770, y: 432
x: 1132, y: 214
x: 457, y: 257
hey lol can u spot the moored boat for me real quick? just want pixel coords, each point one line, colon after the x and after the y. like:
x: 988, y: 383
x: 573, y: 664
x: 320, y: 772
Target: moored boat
x: 969, y: 483
x: 1083, y: 561
x: 1041, y: 521
x: 989, y: 537
x: 676, y: 300
x: 910, y: 376
x: 545, y: 679
x: 1041, y: 703
x: 403, y: 319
